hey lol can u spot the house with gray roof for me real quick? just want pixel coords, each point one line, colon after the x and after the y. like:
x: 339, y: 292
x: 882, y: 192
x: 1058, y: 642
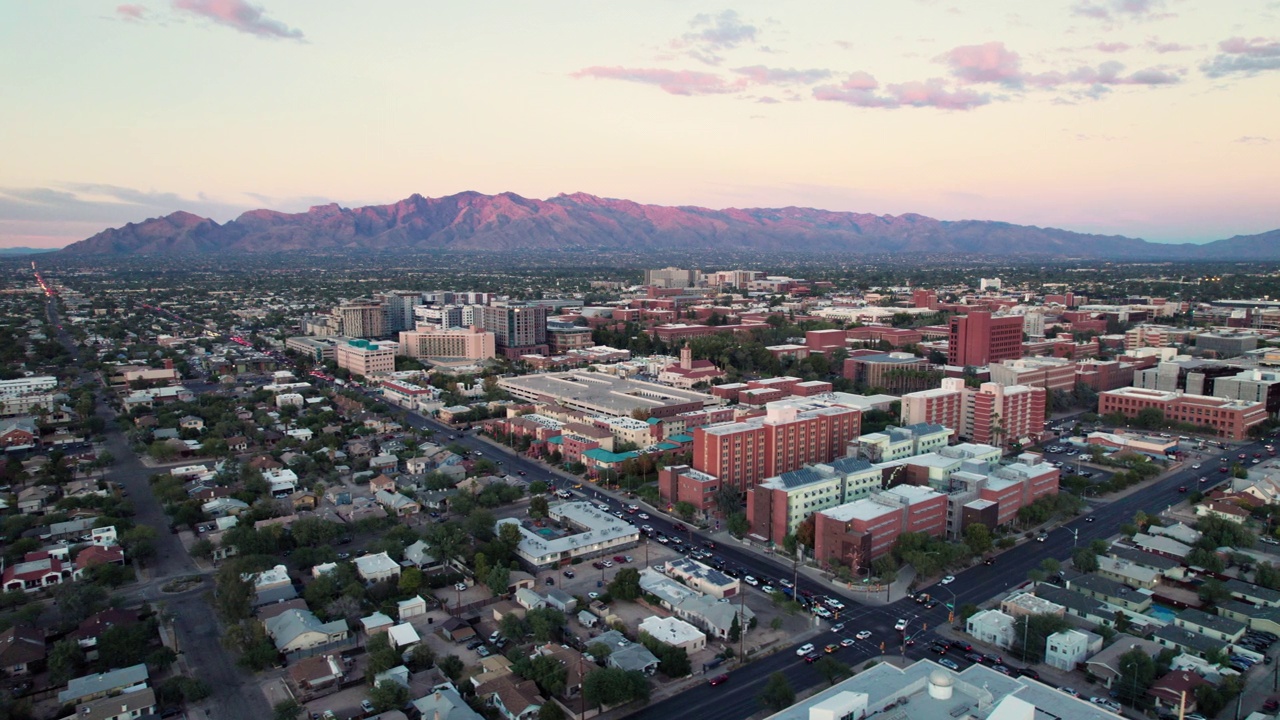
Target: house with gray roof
x: 1162, y: 545
x: 89, y: 687
x: 301, y: 630
x: 1159, y: 563
x: 1215, y: 626
x: 444, y: 703
x: 1110, y: 591
x: 1257, y: 617
x: 1255, y: 594
x: 633, y: 656
x: 1187, y: 641
x: 1078, y: 604
x: 1106, y: 664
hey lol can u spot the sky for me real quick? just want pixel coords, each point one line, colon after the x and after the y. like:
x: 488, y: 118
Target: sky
x: 1148, y: 118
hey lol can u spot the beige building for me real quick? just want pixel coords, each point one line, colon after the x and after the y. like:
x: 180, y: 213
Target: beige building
x: 364, y: 357
x: 363, y: 320
x: 471, y: 343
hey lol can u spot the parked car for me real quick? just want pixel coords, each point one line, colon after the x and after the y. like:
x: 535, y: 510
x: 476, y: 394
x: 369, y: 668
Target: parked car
x: 948, y: 663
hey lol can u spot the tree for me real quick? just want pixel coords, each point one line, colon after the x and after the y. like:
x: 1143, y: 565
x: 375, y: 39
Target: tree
x: 513, y: 627
x: 611, y: 686
x: 978, y: 538
x: 1213, y: 592
x: 735, y: 630
x: 286, y: 710
x: 685, y: 510
x: 1032, y: 631
x: 411, y: 580
x: 551, y: 710
x: 832, y: 669
x: 545, y: 623
x: 202, y: 549
x: 805, y: 532
x: 422, y: 656
x: 1137, y: 672
x: 778, y: 694
x: 382, y: 656
x: 452, y: 666
x: 1084, y: 560
x: 139, y: 542
x: 737, y: 524
x: 65, y: 661
x: 538, y: 507
x: 498, y: 580
x: 388, y: 695
x: 626, y: 584
x: 480, y: 524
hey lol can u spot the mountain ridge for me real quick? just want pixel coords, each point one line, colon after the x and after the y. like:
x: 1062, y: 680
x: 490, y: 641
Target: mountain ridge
x: 474, y: 222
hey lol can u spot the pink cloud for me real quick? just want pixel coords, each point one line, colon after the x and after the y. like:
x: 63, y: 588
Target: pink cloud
x: 238, y: 15
x: 131, y: 12
x: 761, y: 75
x: 989, y: 62
x: 1111, y: 47
x: 860, y: 91
x: 675, y: 82
x: 1244, y: 56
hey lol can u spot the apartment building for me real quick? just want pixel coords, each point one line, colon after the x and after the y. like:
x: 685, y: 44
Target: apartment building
x: 400, y: 305
x: 895, y: 372
x: 938, y: 406
x: 27, y: 385
x: 791, y: 434
x: 1228, y: 418
x: 991, y: 413
x: 979, y: 339
x: 363, y: 319
x: 365, y: 357
x: 518, y: 329
x: 776, y: 507
x: 470, y: 343
x: 856, y: 533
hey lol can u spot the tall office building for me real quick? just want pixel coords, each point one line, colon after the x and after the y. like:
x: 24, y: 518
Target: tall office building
x: 441, y: 316
x: 671, y: 277
x: 518, y: 329
x: 979, y: 339
x: 400, y: 305
x: 362, y: 319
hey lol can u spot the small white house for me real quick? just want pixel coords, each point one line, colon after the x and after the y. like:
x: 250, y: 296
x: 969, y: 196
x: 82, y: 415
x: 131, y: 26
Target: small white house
x: 412, y: 607
x: 992, y: 627
x: 674, y: 632
x: 376, y: 568
x: 403, y: 636
x: 529, y: 600
x: 1069, y: 648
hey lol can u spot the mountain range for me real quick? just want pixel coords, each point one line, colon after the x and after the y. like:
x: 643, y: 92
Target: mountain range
x: 507, y: 222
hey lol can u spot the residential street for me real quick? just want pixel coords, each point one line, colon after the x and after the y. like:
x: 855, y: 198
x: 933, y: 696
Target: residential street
x: 201, y: 654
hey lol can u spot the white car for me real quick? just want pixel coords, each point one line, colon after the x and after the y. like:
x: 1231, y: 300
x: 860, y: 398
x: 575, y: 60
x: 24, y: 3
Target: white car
x: 948, y: 579
x: 1196, y: 466
x: 804, y: 649
x: 603, y: 507
x: 769, y: 589
x: 863, y: 635
x: 643, y: 516
x: 900, y: 625
x: 751, y: 580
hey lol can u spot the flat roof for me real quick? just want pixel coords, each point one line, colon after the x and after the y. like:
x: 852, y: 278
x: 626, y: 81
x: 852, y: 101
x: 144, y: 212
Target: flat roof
x: 601, y: 393
x: 860, y: 509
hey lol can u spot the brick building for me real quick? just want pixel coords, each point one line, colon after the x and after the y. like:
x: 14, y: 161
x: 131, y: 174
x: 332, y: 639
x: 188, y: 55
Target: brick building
x: 791, y: 434
x: 857, y: 533
x: 1229, y: 418
x: 979, y: 339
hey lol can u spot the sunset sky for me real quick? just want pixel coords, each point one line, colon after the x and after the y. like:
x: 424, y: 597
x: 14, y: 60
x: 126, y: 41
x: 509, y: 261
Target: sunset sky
x: 1149, y: 118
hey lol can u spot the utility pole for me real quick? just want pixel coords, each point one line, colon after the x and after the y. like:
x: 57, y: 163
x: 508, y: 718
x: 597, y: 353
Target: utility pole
x: 742, y: 625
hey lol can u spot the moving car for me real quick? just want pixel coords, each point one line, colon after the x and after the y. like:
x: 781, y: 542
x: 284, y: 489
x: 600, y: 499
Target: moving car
x: 863, y: 634
x: 719, y: 680
x: 804, y: 649
x: 812, y: 657
x: 830, y: 648
x: 900, y: 625
x: 846, y: 642
x: 948, y: 663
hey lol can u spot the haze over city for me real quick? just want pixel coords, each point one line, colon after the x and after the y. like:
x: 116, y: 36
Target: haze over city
x: 1136, y: 117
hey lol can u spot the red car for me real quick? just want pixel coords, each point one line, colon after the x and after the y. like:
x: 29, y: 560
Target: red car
x: 719, y: 679
x: 1182, y: 488
x: 619, y: 559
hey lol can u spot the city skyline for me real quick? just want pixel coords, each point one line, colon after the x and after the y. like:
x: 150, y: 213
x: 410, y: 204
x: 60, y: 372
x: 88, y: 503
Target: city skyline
x: 1144, y: 118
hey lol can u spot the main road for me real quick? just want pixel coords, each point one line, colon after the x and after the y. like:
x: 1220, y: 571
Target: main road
x: 235, y: 692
